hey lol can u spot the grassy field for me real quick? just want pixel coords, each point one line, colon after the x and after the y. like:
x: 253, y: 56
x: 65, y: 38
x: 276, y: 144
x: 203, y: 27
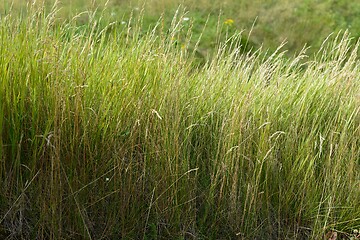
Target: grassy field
x: 264, y: 23
x: 112, y: 131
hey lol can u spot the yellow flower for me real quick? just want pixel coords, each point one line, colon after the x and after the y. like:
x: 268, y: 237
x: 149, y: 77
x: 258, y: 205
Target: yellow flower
x: 229, y: 22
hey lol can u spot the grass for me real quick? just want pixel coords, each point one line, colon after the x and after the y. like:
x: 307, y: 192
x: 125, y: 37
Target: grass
x: 264, y: 23
x: 109, y: 132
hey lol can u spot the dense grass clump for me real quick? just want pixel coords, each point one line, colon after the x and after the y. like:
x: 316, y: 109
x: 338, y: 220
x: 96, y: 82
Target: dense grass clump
x: 107, y: 133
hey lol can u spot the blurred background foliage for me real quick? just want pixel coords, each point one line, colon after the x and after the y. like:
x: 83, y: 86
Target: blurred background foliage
x: 266, y: 23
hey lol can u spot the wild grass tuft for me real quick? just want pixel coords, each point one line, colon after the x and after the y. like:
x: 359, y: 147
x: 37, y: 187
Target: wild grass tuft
x: 107, y: 132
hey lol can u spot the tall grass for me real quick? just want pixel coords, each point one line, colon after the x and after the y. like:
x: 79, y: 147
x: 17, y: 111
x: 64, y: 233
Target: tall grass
x: 107, y: 133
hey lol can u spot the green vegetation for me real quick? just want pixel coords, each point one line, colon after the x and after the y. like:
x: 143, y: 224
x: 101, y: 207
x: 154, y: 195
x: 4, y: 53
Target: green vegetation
x: 266, y: 23
x: 109, y: 131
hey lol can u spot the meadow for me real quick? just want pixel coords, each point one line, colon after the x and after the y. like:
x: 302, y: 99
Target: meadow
x: 126, y: 129
x: 264, y: 23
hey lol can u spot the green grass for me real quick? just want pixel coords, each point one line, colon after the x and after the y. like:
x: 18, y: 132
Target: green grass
x: 265, y: 23
x: 109, y: 132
